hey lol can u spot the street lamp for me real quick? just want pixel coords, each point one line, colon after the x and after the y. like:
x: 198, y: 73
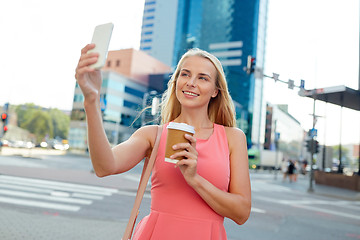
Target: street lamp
x: 154, y: 105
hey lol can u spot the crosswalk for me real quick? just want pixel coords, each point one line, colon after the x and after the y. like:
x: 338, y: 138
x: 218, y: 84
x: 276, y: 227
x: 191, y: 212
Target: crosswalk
x: 264, y: 186
x: 50, y: 194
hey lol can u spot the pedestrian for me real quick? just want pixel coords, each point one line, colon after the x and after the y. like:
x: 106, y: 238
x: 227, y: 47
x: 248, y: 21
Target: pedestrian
x: 284, y: 168
x: 291, y: 170
x: 190, y: 199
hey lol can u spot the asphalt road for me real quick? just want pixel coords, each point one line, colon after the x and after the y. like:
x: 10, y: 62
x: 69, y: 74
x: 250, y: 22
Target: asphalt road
x: 280, y: 210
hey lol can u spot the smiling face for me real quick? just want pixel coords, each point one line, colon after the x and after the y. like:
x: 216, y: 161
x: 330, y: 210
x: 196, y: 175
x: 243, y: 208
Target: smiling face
x: 196, y: 83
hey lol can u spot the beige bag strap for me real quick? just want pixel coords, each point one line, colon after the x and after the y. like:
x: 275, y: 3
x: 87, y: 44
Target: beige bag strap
x: 148, y: 165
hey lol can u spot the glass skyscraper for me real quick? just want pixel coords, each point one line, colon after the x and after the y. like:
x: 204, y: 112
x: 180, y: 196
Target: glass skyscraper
x: 230, y: 29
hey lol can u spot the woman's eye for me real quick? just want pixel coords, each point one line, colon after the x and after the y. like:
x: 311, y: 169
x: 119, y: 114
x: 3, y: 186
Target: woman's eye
x: 184, y: 74
x: 203, y: 78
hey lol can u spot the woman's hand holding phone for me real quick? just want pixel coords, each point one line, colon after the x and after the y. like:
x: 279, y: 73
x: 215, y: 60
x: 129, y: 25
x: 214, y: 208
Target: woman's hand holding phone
x: 92, y: 59
x: 88, y: 78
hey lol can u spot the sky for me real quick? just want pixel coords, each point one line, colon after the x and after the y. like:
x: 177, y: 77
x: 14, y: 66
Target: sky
x: 314, y: 40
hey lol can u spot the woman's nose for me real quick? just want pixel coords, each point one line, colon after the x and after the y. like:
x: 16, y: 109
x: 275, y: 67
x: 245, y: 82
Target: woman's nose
x: 191, y: 82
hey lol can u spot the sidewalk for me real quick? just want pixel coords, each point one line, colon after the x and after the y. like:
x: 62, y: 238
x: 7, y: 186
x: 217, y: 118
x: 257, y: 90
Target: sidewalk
x: 18, y: 225
x: 303, y: 184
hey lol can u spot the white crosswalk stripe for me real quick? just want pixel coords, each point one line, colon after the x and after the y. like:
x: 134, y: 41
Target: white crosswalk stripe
x: 50, y: 194
x: 263, y: 186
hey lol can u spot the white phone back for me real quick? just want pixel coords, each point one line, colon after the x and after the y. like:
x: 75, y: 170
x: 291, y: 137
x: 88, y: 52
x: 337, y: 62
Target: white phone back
x: 101, y: 38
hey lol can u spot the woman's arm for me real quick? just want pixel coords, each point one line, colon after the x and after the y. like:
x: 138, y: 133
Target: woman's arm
x: 235, y: 204
x: 105, y: 160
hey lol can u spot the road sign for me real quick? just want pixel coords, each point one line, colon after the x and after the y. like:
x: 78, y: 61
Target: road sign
x: 313, y: 132
x: 277, y: 136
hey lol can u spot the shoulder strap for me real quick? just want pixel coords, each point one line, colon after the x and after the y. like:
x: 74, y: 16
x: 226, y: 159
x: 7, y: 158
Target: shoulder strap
x: 148, y: 165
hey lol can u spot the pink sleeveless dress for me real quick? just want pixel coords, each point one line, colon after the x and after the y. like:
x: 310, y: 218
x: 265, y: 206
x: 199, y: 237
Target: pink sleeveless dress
x: 177, y: 211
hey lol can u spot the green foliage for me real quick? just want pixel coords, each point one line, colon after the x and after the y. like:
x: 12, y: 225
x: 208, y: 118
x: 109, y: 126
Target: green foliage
x: 60, y: 122
x: 43, y: 122
x: 40, y: 124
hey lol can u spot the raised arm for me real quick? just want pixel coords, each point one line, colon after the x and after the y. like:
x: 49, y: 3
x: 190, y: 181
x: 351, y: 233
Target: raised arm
x: 105, y: 160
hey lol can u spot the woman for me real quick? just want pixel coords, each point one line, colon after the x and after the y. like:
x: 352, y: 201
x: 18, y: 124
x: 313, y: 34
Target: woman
x: 189, y: 199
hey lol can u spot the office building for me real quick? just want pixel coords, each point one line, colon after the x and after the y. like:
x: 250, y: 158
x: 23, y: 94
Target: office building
x: 230, y: 29
x: 283, y: 127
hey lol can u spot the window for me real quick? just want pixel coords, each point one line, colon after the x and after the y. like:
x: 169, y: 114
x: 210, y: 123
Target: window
x: 149, y: 3
x: 109, y: 63
x: 150, y: 10
x: 118, y: 63
x: 149, y: 17
x: 148, y: 25
x: 131, y: 105
x: 134, y: 92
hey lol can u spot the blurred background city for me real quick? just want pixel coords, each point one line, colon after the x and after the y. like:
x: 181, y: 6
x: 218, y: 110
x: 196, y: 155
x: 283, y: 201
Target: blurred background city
x: 292, y: 69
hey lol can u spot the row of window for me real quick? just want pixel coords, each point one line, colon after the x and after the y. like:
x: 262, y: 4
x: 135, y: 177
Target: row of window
x: 148, y: 25
x: 145, y: 48
x: 150, y: 3
x: 149, y: 10
x: 148, y: 40
x: 117, y: 63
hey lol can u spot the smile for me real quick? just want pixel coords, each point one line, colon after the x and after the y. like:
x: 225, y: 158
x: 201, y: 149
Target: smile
x: 190, y: 93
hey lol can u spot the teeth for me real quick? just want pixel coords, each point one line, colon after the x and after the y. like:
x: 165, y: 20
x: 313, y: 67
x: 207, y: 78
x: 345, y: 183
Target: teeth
x: 190, y: 93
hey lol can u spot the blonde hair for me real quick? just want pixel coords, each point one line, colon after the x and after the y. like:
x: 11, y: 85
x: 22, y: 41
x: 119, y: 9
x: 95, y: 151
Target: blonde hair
x: 221, y: 108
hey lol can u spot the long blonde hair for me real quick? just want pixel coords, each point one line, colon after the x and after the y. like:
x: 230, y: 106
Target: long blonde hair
x: 221, y: 109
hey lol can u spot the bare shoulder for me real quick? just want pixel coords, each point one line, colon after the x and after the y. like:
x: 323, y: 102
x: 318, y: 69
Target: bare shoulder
x: 235, y: 134
x: 147, y: 133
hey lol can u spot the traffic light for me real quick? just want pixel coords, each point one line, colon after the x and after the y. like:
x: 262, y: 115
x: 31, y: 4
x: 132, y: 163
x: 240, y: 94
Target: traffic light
x: 4, y: 117
x: 5, y: 128
x: 316, y: 146
x: 309, y: 145
x: 251, y: 63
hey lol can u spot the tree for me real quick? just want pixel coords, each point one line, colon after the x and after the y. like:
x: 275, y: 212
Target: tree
x: 43, y: 122
x: 40, y: 124
x: 60, y: 122
x: 24, y: 112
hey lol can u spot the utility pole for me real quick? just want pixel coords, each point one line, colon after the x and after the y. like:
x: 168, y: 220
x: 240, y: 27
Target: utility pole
x: 311, y: 189
x: 276, y: 141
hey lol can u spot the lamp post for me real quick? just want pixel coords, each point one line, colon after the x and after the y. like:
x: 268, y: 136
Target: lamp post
x: 155, y: 104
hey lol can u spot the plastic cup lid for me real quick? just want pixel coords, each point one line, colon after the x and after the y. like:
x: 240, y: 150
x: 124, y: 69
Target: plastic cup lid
x: 181, y: 126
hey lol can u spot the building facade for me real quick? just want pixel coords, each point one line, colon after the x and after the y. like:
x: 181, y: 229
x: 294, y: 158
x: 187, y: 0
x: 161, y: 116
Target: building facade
x: 230, y: 29
x: 284, y: 128
x: 126, y: 83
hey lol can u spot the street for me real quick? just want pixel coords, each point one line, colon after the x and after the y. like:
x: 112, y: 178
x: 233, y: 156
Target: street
x: 58, y: 197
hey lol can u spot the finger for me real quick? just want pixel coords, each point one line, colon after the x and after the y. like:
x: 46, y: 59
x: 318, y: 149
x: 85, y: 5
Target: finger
x: 88, y: 55
x: 82, y: 71
x: 87, y: 62
x: 181, y: 146
x: 191, y: 139
x: 184, y: 155
x: 186, y: 162
x: 87, y: 48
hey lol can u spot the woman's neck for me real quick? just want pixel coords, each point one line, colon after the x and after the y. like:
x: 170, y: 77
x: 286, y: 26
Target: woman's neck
x: 195, y: 118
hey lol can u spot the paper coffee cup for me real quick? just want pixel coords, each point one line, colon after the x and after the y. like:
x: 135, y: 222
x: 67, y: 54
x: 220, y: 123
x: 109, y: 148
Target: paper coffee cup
x: 176, y: 134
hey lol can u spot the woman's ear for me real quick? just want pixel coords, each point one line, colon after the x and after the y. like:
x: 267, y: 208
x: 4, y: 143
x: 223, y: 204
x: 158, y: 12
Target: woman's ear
x: 216, y: 91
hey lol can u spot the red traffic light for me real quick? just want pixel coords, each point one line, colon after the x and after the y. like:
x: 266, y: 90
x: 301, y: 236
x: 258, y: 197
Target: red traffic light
x: 3, y: 116
x: 5, y: 129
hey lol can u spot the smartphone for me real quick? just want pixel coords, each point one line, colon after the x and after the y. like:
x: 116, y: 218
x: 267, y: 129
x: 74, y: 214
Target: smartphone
x: 101, y: 38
